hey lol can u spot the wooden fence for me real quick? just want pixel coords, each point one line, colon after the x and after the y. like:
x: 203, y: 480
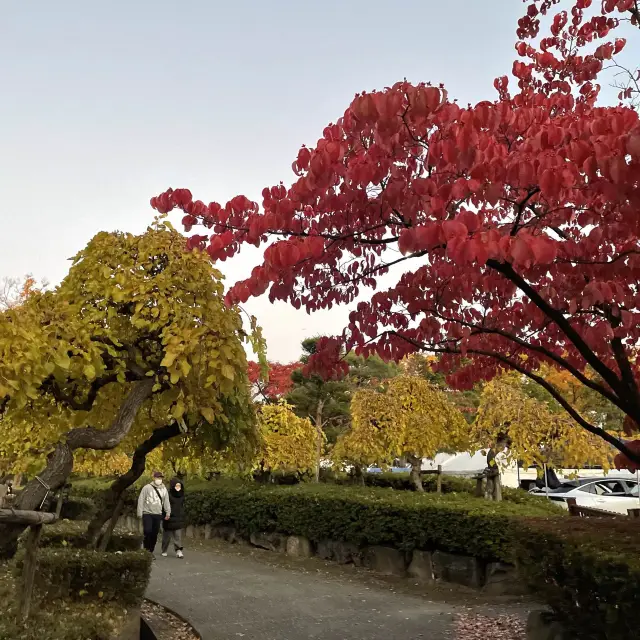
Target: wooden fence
x: 34, y: 520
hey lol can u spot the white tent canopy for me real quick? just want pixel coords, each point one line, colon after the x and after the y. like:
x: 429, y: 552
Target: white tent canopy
x: 457, y: 464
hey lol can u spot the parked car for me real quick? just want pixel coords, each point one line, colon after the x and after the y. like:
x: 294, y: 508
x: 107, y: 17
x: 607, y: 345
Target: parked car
x: 607, y: 494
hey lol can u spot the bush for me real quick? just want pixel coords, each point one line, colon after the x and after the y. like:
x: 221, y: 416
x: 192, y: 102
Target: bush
x: 80, y: 574
x: 59, y: 620
x: 455, y: 523
x: 74, y: 535
x: 78, y: 509
x: 588, y: 571
x: 450, y: 484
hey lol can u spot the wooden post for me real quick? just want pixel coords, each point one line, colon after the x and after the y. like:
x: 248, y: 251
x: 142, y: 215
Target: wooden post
x: 29, y: 569
x: 59, y: 503
x: 479, y: 491
x: 439, y: 480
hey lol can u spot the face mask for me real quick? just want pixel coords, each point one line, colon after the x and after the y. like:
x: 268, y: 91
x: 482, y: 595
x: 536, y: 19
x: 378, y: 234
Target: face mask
x: 157, y: 482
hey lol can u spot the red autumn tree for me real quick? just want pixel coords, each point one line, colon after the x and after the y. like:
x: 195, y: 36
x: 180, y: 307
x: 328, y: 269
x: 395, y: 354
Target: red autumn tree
x: 279, y: 382
x: 513, y: 223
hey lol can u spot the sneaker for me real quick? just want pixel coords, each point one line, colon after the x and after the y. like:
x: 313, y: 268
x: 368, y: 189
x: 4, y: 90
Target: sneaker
x: 164, y: 554
x: 179, y: 554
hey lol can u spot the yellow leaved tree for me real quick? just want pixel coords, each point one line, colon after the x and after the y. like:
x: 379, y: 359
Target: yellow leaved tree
x: 287, y: 442
x: 135, y: 346
x: 537, y: 435
x: 410, y: 418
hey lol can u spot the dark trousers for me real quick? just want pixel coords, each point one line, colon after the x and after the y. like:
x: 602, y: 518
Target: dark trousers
x: 150, y: 527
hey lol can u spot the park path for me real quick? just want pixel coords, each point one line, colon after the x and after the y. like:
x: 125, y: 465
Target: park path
x: 231, y: 592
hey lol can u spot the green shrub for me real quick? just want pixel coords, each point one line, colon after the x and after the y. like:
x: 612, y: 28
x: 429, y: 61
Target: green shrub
x: 57, y: 620
x: 78, y: 509
x: 587, y: 570
x: 95, y: 492
x: 455, y: 523
x: 450, y: 484
x: 65, y: 533
x: 80, y: 574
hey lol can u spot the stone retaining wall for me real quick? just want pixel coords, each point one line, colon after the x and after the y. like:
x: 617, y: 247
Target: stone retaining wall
x: 494, y: 578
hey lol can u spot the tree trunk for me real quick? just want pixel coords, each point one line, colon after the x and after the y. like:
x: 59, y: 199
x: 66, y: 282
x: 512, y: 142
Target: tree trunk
x: 497, y: 488
x: 60, y: 462
x: 358, y: 475
x: 114, y: 493
x: 319, y: 439
x: 106, y: 536
x: 414, y: 475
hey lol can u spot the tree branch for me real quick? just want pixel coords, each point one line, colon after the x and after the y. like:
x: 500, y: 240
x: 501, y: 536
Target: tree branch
x: 561, y: 322
x: 91, y: 438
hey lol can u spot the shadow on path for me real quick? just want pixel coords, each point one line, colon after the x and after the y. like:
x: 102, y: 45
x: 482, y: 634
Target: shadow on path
x: 231, y: 592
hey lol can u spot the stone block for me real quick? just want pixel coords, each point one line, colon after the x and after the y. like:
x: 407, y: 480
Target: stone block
x: 188, y: 532
x: 340, y: 552
x: 386, y: 560
x: 502, y: 579
x: 299, y: 546
x: 269, y: 541
x: 348, y: 553
x: 465, y: 570
x: 421, y: 567
x: 226, y: 533
x: 207, y: 531
x: 324, y: 550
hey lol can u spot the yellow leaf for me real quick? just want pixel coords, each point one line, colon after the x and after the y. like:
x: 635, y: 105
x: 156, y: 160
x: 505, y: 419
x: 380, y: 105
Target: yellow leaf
x: 228, y: 372
x: 63, y: 361
x: 169, y: 359
x: 89, y: 371
x: 177, y: 411
x: 208, y: 414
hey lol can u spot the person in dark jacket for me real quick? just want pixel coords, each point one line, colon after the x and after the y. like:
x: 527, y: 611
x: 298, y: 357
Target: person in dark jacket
x: 172, y: 528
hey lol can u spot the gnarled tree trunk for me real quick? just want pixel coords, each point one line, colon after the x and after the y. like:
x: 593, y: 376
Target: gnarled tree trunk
x: 114, y: 494
x: 60, y: 461
x: 415, y: 476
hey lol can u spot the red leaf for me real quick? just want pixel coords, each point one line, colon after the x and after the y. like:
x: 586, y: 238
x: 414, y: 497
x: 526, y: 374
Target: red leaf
x: 454, y: 229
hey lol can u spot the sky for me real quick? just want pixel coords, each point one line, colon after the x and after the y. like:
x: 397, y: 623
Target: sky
x: 105, y: 105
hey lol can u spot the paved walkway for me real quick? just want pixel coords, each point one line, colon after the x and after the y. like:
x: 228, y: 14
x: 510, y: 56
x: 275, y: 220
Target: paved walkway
x: 231, y: 592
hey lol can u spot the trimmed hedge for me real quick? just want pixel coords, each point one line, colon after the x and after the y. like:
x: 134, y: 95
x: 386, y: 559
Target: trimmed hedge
x: 65, y: 533
x: 588, y: 571
x: 458, y: 523
x: 77, y: 509
x: 79, y: 574
x: 56, y: 620
x: 454, y: 523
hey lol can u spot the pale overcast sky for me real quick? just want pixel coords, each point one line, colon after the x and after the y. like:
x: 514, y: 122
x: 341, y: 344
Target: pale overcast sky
x: 107, y: 104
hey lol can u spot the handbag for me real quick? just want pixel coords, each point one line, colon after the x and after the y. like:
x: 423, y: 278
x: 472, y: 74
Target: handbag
x: 164, y: 513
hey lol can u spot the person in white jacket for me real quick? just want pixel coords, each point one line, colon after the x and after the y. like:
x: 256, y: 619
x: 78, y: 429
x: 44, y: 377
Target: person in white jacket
x: 153, y: 507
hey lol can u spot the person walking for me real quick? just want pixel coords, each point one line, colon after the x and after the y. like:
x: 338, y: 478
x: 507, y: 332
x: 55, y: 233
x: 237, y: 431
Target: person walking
x: 172, y: 528
x: 153, y: 507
